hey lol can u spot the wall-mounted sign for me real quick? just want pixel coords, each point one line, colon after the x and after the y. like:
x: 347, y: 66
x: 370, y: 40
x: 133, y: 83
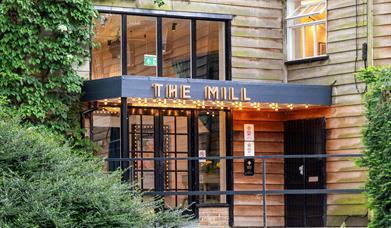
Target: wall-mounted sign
x: 248, y: 132
x: 202, y: 154
x: 150, y: 60
x: 249, y: 167
x: 173, y: 91
x: 249, y: 149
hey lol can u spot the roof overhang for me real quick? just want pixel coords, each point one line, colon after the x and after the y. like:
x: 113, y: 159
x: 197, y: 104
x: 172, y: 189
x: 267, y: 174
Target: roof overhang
x: 142, y: 87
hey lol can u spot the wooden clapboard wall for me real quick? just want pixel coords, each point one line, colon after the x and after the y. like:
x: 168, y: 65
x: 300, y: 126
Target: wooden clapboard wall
x: 345, y: 119
x: 257, y: 49
x: 382, y: 32
x: 269, y: 140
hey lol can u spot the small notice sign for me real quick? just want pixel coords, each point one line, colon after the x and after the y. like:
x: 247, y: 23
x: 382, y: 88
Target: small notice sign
x: 248, y: 132
x: 150, y: 60
x: 202, y: 154
x: 249, y: 149
x: 313, y: 179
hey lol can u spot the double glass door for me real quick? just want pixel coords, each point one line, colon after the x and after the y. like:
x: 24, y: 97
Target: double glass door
x: 179, y: 134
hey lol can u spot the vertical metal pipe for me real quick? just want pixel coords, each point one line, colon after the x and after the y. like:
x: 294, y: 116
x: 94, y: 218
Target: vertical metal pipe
x: 264, y: 192
x: 124, y: 138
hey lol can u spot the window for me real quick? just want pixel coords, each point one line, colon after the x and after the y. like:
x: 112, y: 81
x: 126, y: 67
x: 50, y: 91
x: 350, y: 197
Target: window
x: 141, y: 45
x: 106, y: 55
x: 176, y: 48
x: 306, y: 29
x: 186, y: 47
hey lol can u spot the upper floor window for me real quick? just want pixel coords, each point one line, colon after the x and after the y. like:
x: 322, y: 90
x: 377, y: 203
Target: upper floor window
x: 181, y: 44
x: 306, y: 28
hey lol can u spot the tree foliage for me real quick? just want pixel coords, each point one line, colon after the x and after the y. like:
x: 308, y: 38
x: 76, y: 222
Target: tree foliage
x: 43, y: 184
x: 377, y: 139
x: 41, y: 43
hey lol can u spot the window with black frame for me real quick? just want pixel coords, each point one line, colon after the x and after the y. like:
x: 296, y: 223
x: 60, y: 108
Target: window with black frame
x: 177, y: 37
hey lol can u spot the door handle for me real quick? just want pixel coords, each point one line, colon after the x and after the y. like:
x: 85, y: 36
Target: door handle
x: 301, y: 170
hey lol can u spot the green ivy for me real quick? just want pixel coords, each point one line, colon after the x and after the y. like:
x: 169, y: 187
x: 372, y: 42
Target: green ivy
x: 159, y: 2
x: 377, y: 139
x: 41, y: 43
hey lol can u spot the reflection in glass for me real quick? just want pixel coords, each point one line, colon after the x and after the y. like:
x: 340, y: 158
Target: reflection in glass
x: 211, y: 142
x: 176, y: 48
x: 106, y: 133
x: 210, y: 44
x: 106, y: 56
x: 141, y: 45
x: 142, y: 144
x: 175, y: 146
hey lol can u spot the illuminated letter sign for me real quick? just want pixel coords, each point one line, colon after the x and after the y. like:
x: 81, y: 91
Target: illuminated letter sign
x: 173, y: 91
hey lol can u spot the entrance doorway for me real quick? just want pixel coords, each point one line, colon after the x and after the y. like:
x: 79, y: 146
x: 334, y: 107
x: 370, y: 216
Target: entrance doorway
x: 174, y: 133
x: 303, y: 137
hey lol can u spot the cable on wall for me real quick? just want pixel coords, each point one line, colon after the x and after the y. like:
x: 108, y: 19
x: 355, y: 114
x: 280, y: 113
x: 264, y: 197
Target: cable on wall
x: 364, y: 48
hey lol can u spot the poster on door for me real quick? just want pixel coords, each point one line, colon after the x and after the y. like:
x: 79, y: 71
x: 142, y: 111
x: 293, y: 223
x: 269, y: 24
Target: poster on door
x: 248, y: 132
x: 249, y: 149
x: 202, y: 154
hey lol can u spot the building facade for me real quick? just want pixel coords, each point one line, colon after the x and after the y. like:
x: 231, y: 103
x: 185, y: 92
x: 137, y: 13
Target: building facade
x: 248, y: 113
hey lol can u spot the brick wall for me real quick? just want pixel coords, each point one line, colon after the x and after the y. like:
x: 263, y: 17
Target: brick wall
x: 213, y: 217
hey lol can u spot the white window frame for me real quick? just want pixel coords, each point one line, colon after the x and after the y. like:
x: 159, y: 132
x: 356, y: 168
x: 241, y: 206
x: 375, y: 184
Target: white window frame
x: 291, y: 26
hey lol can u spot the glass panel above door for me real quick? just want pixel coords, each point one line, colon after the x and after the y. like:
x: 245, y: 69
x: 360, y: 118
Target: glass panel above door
x: 141, y: 45
x: 106, y: 55
x: 176, y: 48
x: 210, y: 50
x: 155, y: 46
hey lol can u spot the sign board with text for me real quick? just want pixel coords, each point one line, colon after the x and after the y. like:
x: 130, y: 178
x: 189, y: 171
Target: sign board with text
x: 248, y: 132
x: 249, y: 149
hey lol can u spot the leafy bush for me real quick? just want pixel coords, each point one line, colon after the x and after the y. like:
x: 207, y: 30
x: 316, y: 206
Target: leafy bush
x: 41, y: 43
x: 377, y: 139
x: 44, y: 184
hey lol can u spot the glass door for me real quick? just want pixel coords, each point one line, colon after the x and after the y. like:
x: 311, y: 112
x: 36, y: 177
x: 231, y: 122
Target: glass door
x: 211, y: 143
x: 180, y: 134
x: 176, y: 134
x: 142, y: 145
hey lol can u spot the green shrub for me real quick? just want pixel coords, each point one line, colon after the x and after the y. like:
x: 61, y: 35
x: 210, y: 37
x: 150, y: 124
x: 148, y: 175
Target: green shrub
x: 377, y: 139
x: 44, y: 184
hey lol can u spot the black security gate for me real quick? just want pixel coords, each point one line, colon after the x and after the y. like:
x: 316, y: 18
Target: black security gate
x: 305, y: 137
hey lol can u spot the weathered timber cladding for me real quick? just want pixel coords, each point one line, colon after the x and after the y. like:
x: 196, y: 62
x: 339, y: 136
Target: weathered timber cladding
x: 345, y: 119
x: 382, y: 32
x: 269, y: 140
